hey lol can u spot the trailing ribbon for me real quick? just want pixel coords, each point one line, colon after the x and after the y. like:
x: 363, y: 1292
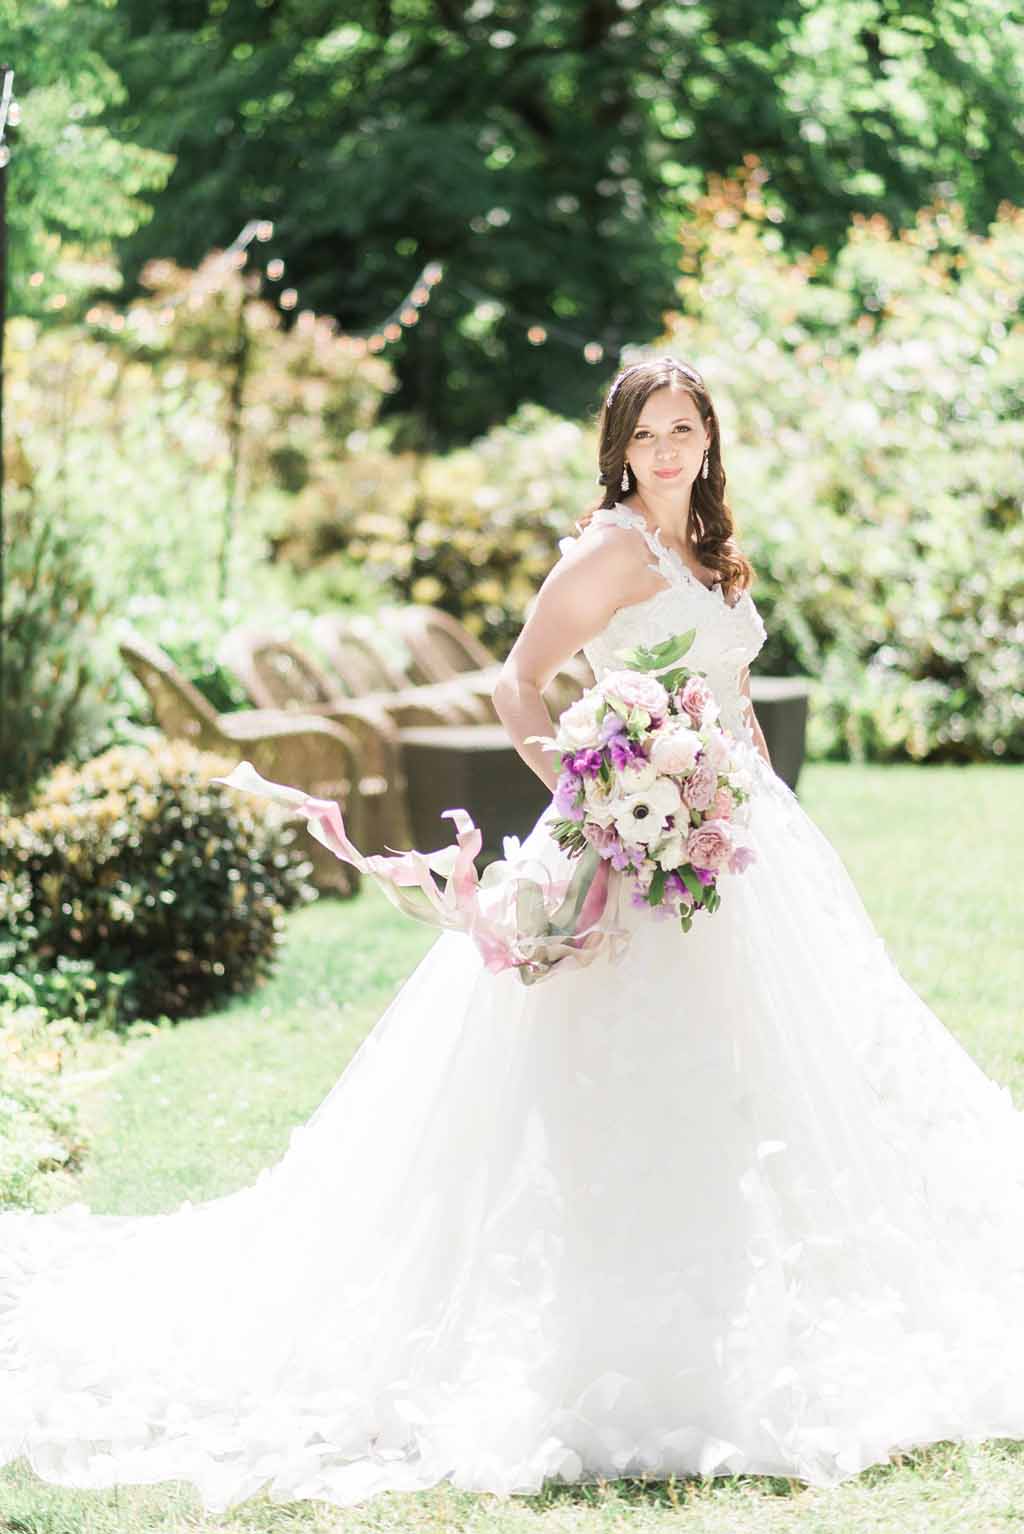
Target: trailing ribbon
x: 518, y: 919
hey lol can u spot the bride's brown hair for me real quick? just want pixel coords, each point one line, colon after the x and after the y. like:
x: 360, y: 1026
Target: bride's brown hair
x: 710, y: 520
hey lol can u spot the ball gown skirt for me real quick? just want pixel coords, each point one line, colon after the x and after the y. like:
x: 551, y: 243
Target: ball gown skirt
x: 736, y: 1203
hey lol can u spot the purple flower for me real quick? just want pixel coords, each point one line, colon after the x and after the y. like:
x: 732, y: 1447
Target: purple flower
x: 625, y: 752
x: 626, y: 857
x: 566, y: 791
x: 705, y: 875
x: 611, y: 724
x: 586, y: 764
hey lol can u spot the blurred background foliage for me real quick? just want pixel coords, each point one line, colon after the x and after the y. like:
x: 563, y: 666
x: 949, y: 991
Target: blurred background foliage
x: 546, y: 153
x: 814, y: 201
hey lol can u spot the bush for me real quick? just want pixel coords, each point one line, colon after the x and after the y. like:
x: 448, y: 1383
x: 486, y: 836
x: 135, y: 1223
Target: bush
x: 50, y: 693
x: 474, y: 532
x: 139, y: 864
x: 39, y: 1129
x: 871, y: 421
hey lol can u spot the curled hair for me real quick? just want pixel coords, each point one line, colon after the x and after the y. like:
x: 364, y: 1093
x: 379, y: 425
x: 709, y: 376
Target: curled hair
x: 709, y: 525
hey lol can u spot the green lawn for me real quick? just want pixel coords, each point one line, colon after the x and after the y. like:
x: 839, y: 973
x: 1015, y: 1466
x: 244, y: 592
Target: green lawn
x: 197, y: 1110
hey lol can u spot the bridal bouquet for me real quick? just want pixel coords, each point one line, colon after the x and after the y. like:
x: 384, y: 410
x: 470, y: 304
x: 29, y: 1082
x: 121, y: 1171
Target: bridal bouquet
x: 651, y: 782
x: 648, y: 785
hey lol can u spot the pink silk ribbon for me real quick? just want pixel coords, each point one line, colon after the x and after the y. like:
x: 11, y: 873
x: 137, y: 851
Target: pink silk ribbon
x: 570, y: 910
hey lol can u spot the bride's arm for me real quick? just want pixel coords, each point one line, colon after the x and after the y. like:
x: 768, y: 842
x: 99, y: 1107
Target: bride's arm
x: 755, y: 728
x: 577, y: 599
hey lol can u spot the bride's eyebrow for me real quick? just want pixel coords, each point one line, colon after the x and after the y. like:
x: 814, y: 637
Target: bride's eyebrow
x: 683, y: 420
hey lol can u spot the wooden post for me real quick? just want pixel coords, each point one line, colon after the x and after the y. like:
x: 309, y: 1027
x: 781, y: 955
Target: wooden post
x: 6, y: 90
x: 236, y: 402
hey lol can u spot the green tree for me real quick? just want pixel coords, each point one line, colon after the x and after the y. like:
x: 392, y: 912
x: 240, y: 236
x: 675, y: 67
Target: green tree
x: 75, y: 181
x: 547, y: 153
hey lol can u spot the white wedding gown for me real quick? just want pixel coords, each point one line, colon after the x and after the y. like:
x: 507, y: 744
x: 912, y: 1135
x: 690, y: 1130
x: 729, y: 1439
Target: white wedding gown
x: 737, y: 1203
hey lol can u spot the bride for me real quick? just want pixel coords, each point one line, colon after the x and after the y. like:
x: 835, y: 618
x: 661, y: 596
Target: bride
x: 737, y: 1203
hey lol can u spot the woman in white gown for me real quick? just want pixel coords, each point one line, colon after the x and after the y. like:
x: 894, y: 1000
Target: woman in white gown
x: 737, y: 1203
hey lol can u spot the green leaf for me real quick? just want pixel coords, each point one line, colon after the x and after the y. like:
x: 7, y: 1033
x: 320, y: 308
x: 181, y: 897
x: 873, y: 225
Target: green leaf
x: 657, y: 889
x: 692, y: 883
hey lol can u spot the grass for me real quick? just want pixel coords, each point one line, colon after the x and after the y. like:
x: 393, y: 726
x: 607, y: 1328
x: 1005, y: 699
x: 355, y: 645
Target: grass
x: 199, y: 1109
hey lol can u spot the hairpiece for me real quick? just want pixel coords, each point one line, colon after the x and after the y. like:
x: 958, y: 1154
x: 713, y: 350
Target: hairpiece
x: 682, y: 367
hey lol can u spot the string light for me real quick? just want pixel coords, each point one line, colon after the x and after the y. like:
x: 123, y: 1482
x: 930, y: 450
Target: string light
x: 404, y: 315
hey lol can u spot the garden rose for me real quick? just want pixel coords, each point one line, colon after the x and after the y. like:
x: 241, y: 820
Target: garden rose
x: 722, y: 805
x: 579, y: 726
x: 717, y: 749
x: 695, y: 698
x: 635, y: 689
x: 710, y: 845
x: 700, y: 787
x: 674, y: 750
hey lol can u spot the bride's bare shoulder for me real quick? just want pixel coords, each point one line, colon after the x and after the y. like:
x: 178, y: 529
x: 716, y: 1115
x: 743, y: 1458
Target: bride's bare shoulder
x: 607, y: 557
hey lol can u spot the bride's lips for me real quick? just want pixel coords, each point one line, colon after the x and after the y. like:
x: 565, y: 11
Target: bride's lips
x: 666, y: 473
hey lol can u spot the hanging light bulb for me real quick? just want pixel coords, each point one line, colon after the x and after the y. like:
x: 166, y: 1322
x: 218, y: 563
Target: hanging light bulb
x: 264, y: 230
x: 593, y: 351
x: 421, y: 294
x: 536, y: 335
x: 289, y: 298
x: 275, y: 269
x: 392, y: 331
x: 433, y: 273
x: 409, y: 316
x: 376, y: 343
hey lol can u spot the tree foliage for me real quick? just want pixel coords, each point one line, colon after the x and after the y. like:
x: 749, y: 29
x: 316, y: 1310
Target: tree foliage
x: 547, y: 153
x: 76, y: 182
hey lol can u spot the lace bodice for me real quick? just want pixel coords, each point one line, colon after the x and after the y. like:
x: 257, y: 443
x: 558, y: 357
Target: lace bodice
x: 728, y: 636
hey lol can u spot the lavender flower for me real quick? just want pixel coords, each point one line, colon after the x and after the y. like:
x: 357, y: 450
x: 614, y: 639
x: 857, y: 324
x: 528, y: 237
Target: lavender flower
x: 566, y: 791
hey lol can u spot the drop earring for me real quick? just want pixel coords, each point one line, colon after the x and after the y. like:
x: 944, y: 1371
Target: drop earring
x: 625, y: 477
x: 704, y: 469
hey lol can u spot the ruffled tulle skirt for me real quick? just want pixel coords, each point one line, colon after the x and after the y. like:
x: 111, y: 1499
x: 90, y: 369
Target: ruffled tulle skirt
x: 736, y: 1203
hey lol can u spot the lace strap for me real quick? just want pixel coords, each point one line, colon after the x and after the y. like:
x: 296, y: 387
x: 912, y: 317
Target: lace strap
x: 621, y: 516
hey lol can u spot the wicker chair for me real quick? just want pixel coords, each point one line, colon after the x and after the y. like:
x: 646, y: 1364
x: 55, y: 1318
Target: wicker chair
x: 277, y: 674
x: 441, y: 649
x: 360, y: 669
x: 315, y: 753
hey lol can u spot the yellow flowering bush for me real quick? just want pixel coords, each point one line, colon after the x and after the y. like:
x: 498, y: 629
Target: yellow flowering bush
x: 140, y: 864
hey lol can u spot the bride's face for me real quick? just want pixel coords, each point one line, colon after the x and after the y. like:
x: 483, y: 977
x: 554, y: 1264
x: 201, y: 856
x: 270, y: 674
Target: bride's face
x: 666, y: 449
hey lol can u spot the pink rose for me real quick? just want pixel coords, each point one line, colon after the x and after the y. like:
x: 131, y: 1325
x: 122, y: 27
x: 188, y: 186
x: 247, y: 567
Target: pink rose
x: 636, y: 690
x: 710, y: 845
x: 674, y: 749
x: 694, y: 697
x: 722, y: 805
x: 701, y: 786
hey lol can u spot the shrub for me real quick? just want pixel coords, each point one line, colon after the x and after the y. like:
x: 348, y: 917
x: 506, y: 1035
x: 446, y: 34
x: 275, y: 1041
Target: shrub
x: 51, y: 694
x: 39, y: 1128
x: 138, y: 863
x: 871, y: 420
x: 473, y: 532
